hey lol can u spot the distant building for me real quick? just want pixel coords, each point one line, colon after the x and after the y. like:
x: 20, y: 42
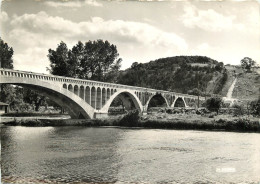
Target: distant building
x: 4, y: 108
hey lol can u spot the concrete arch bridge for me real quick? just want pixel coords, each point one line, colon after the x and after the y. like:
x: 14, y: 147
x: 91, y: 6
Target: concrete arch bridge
x: 91, y: 99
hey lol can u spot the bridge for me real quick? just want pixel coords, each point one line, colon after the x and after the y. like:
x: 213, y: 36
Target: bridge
x: 92, y: 99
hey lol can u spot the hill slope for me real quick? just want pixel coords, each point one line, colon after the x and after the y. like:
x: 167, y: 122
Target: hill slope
x: 247, y: 87
x: 184, y: 74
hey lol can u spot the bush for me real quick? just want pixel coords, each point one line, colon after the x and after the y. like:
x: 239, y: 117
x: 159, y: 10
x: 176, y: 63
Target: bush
x: 255, y: 107
x: 238, y: 110
x: 130, y: 119
x: 214, y: 104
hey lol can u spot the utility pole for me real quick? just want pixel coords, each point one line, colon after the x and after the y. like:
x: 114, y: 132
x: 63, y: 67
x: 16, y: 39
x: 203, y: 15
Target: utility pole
x: 198, y: 95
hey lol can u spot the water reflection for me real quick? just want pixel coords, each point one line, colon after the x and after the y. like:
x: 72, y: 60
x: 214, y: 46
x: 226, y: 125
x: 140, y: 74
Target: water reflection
x: 76, y: 154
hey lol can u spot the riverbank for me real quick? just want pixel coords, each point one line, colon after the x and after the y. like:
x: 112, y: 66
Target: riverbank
x: 162, y: 121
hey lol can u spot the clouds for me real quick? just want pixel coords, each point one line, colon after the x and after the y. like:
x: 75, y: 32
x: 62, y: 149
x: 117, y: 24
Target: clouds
x: 73, y: 4
x: 32, y: 59
x: 42, y: 25
x: 209, y: 20
x: 160, y: 30
x: 3, y: 16
x: 43, y: 31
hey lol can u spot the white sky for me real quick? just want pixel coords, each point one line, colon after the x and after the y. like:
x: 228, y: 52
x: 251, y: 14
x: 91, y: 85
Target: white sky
x: 142, y: 31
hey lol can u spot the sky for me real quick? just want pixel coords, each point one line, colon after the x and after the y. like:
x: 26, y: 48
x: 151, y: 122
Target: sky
x: 226, y: 31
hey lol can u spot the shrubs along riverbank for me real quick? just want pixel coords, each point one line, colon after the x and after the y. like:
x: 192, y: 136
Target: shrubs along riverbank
x: 164, y: 121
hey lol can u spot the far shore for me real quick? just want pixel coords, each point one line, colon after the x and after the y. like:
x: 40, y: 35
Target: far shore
x: 159, y: 120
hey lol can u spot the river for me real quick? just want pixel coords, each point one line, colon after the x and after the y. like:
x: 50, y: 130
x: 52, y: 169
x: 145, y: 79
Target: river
x: 124, y: 155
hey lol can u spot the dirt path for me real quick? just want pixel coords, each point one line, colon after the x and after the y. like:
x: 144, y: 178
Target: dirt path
x: 231, y: 89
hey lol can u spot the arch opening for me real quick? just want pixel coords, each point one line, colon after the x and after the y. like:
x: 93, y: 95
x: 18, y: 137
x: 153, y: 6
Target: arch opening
x: 87, y: 95
x: 99, y: 99
x: 93, y: 97
x: 123, y: 103
x: 65, y: 102
x: 70, y: 88
x: 108, y: 94
x: 179, y: 102
x: 81, y: 92
x: 104, y: 98
x: 156, y: 102
x: 76, y: 90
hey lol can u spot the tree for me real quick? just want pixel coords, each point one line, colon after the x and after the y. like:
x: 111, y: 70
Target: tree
x: 13, y: 96
x: 60, y: 64
x: 33, y: 98
x: 214, y: 104
x: 95, y: 60
x: 247, y: 63
x: 195, y: 91
x: 219, y: 67
x: 6, y: 55
x: 6, y: 61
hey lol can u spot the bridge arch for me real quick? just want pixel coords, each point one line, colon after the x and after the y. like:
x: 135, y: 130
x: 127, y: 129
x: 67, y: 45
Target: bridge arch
x: 179, y: 102
x: 65, y: 98
x: 125, y: 96
x: 154, y: 96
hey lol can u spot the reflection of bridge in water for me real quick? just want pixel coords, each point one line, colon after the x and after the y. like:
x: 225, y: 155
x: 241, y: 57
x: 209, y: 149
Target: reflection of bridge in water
x: 91, y: 99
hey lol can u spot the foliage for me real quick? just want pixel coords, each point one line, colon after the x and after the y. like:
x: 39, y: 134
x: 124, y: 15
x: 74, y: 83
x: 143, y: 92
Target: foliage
x: 130, y: 119
x: 21, y: 99
x: 95, y: 60
x: 247, y: 63
x: 13, y: 96
x: 195, y: 91
x: 219, y: 84
x: 239, y: 110
x: 219, y: 66
x: 180, y: 74
x: 214, y: 104
x: 7, y: 94
x: 33, y: 98
x: 6, y: 54
x: 255, y: 107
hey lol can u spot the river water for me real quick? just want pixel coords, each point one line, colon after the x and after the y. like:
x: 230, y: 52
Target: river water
x: 121, y: 155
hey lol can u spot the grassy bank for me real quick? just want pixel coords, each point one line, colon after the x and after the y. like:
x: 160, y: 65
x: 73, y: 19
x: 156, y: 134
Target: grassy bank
x: 164, y: 121
x: 30, y: 114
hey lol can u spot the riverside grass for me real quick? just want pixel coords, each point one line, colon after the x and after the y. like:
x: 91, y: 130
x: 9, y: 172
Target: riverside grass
x: 160, y: 121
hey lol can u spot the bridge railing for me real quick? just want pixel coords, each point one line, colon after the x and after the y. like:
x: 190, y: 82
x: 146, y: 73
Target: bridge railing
x: 62, y: 79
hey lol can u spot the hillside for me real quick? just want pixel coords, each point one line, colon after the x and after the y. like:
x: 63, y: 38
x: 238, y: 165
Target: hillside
x: 184, y: 74
x: 247, y: 86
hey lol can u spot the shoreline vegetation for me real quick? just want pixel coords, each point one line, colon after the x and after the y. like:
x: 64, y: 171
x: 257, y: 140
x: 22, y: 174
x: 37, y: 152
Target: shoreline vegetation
x: 159, y: 120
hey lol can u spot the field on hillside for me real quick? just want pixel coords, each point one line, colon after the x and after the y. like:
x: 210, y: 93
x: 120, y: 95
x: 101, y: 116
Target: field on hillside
x: 247, y: 86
